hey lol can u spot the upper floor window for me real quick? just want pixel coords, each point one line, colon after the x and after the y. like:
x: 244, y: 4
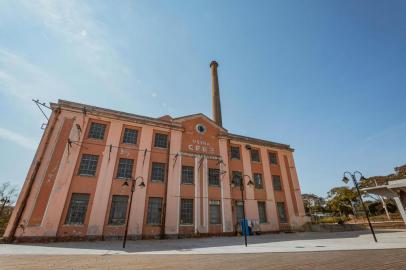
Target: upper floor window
x: 158, y: 172
x: 161, y: 140
x: 273, y: 158
x: 235, y: 152
x: 88, y: 165
x: 77, y: 209
x: 125, y: 168
x: 130, y: 136
x: 258, y: 180
x: 276, y: 182
x: 97, y: 131
x: 214, y: 177
x: 255, y: 155
x: 187, y: 174
x: 236, y: 178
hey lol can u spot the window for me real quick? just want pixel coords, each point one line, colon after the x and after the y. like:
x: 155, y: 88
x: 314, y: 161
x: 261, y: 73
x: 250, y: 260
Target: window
x: 273, y: 158
x: 281, y: 212
x: 97, y: 131
x: 118, y: 210
x: 239, y: 211
x: 130, y: 136
x: 237, y: 177
x: 125, y: 168
x: 214, y: 177
x: 276, y: 182
x: 161, y: 140
x: 154, y: 211
x: 235, y: 152
x: 255, y: 155
x: 186, y: 211
x: 258, y: 180
x: 187, y: 174
x: 77, y: 209
x: 215, y: 214
x: 88, y: 165
x: 158, y: 172
x: 262, y: 212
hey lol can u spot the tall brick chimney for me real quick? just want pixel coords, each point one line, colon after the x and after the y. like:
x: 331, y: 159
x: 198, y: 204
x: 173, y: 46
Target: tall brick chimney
x: 215, y: 92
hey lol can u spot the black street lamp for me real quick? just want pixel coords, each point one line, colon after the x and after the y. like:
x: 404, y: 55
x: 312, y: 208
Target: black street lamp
x: 133, y: 182
x: 241, y: 184
x: 346, y: 180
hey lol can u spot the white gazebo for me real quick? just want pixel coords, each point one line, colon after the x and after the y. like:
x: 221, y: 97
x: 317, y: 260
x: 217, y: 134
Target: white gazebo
x: 396, y: 190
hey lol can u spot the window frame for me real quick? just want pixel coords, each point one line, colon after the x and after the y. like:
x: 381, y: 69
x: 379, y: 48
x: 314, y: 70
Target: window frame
x: 81, y: 169
x: 135, y: 137
x: 259, y: 155
x: 157, y: 134
x: 182, y: 179
x: 217, y: 204
x: 152, y: 172
x: 125, y: 169
x: 278, y: 205
x: 264, y: 217
x: 240, y: 179
x: 91, y: 131
x: 182, y: 200
x: 261, y: 186
x: 274, y: 177
x: 211, y: 174
x: 69, y: 215
x: 231, y: 153
x: 151, y: 219
x: 113, y: 209
x: 271, y: 159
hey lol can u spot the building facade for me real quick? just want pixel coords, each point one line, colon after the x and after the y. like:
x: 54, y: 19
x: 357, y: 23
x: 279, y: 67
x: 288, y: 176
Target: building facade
x: 187, y: 173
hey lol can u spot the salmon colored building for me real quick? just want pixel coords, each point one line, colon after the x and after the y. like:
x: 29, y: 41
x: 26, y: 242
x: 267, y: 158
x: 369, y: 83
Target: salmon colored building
x: 188, y: 173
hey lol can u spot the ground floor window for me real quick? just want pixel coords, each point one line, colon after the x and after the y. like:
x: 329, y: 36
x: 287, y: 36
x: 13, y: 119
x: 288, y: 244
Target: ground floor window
x: 239, y: 211
x: 77, y: 209
x: 186, y: 211
x: 214, y: 212
x: 281, y: 212
x: 118, y: 210
x: 154, y: 211
x: 262, y: 212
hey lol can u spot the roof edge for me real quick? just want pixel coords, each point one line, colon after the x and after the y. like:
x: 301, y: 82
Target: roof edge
x: 260, y: 142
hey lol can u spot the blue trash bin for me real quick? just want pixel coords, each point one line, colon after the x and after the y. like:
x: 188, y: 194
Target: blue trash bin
x: 245, y: 230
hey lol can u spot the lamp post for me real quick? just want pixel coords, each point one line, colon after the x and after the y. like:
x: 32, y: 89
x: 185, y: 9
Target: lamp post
x: 241, y: 184
x: 133, y: 182
x: 353, y: 177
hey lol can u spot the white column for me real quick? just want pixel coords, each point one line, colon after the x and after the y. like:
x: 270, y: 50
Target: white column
x: 205, y: 200
x: 197, y: 195
x: 400, y: 207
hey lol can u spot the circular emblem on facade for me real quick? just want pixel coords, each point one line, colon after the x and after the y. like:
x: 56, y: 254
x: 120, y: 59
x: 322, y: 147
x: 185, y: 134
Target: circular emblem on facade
x: 201, y: 128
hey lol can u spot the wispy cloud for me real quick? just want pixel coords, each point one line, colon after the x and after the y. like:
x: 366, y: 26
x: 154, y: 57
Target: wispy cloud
x: 17, y: 138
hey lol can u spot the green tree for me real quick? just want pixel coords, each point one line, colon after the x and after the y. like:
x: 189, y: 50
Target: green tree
x: 342, y: 200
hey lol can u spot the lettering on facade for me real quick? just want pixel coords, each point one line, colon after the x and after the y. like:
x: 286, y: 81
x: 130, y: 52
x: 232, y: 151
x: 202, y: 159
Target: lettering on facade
x: 201, y: 146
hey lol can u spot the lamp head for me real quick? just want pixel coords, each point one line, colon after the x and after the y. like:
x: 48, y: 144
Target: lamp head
x: 142, y: 184
x: 250, y: 183
x: 125, y: 184
x: 363, y: 178
x: 345, y: 179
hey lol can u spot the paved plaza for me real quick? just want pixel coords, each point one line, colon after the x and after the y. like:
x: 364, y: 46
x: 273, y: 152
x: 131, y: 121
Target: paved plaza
x: 343, y: 250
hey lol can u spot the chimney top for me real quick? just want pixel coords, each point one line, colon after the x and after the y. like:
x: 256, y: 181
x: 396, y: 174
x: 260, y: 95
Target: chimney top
x: 214, y: 63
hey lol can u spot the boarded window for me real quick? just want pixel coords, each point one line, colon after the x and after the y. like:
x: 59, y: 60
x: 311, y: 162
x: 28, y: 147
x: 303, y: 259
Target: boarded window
x: 187, y: 174
x: 77, y: 209
x: 262, y: 212
x: 235, y: 152
x: 88, y: 165
x: 215, y: 212
x: 214, y: 177
x: 154, y: 211
x: 125, y: 168
x: 161, y: 140
x: 130, y: 136
x: 258, y: 180
x: 186, y: 211
x: 118, y: 210
x: 255, y: 155
x: 281, y: 212
x: 97, y: 131
x: 276, y: 182
x: 158, y: 172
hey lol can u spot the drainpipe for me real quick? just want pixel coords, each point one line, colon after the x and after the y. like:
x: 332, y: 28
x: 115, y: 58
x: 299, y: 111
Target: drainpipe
x: 31, y: 180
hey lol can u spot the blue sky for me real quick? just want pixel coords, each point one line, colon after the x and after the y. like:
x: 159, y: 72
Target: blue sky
x: 326, y: 77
